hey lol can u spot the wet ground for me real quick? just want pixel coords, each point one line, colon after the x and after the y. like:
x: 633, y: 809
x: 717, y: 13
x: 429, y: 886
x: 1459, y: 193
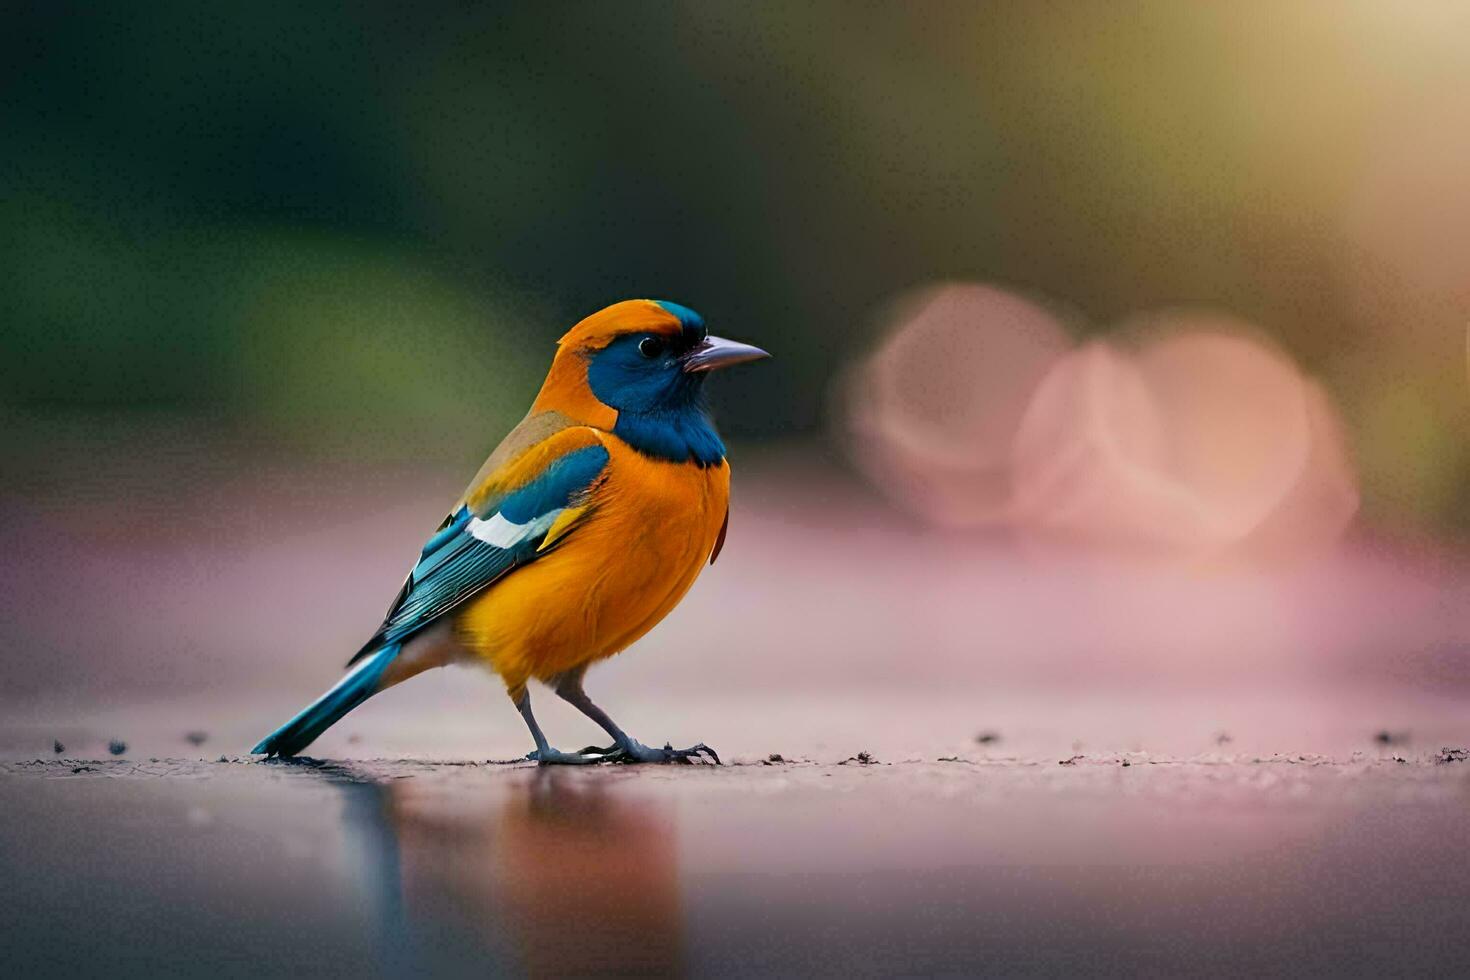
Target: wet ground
x: 985, y: 864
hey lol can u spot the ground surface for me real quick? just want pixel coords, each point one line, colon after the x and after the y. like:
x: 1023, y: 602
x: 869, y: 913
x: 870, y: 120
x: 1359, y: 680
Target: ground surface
x: 1111, y: 864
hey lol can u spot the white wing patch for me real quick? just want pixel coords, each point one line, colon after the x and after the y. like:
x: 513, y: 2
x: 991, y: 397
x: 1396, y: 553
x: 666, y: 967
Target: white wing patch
x: 504, y: 534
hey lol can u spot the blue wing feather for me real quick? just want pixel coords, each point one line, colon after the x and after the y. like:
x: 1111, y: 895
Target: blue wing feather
x: 455, y: 563
x: 564, y: 479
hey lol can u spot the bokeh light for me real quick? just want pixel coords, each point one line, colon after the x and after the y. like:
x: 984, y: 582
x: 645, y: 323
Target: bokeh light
x: 1090, y: 453
x: 933, y: 411
x: 1188, y: 432
x: 1182, y: 433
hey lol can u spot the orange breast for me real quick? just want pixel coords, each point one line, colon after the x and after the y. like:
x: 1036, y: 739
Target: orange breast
x: 648, y: 535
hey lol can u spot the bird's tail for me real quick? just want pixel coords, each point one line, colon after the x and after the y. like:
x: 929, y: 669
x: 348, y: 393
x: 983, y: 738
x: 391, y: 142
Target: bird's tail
x: 360, y: 683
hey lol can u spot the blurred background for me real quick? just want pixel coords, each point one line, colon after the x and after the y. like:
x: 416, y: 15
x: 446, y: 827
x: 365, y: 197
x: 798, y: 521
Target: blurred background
x: 1119, y: 390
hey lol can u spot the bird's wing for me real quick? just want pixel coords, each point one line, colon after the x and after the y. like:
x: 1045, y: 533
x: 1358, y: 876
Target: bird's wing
x: 508, y: 518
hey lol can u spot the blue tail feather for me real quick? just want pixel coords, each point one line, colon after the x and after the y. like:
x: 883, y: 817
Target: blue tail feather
x: 360, y: 683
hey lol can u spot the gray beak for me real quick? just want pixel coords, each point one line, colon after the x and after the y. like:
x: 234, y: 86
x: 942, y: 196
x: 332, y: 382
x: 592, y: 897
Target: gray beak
x: 717, y: 352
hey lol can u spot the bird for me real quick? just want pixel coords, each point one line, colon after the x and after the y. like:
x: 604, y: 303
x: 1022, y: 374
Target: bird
x: 585, y: 527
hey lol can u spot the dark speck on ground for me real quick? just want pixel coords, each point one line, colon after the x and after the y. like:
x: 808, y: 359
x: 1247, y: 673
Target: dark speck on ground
x: 57, y: 747
x: 1069, y: 762
x: 1223, y: 738
x: 1448, y: 754
x: 1386, y: 737
x: 117, y: 746
x: 987, y: 737
x: 774, y: 758
x: 862, y: 759
x: 196, y: 737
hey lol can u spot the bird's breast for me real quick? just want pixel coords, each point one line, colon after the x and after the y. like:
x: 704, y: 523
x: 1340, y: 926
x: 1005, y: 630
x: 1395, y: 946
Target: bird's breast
x: 647, y: 534
x: 658, y: 522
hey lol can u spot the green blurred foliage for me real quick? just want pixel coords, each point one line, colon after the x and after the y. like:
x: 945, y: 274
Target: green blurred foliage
x: 365, y: 225
x: 335, y: 332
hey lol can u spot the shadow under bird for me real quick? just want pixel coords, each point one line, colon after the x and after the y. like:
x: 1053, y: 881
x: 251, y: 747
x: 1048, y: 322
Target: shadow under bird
x: 584, y: 528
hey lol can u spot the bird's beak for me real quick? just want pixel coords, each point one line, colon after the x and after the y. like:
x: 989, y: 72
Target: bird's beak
x: 717, y: 352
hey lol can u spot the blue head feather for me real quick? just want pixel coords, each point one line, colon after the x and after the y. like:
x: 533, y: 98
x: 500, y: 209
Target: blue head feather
x: 691, y: 322
x: 661, y: 408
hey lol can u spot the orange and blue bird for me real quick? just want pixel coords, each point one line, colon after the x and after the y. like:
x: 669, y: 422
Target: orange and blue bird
x: 584, y: 528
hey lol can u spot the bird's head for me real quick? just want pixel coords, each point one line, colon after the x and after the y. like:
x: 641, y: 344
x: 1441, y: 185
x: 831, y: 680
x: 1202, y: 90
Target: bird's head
x: 638, y: 368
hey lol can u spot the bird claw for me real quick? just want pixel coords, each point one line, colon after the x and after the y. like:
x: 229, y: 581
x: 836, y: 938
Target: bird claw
x: 694, y: 755
x: 695, y: 751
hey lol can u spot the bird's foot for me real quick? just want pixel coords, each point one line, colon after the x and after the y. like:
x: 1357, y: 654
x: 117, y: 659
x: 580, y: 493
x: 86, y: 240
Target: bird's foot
x: 555, y: 757
x: 636, y: 751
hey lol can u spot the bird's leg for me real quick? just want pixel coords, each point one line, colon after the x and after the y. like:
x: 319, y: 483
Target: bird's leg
x: 544, y: 753
x: 625, y: 747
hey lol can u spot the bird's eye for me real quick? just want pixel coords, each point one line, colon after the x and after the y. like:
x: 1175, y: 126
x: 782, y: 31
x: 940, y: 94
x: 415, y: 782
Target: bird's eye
x: 650, y: 347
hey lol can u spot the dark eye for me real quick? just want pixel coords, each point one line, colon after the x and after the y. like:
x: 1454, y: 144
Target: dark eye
x: 650, y: 347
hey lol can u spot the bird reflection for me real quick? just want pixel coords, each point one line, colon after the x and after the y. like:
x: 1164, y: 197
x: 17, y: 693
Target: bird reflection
x: 546, y: 872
